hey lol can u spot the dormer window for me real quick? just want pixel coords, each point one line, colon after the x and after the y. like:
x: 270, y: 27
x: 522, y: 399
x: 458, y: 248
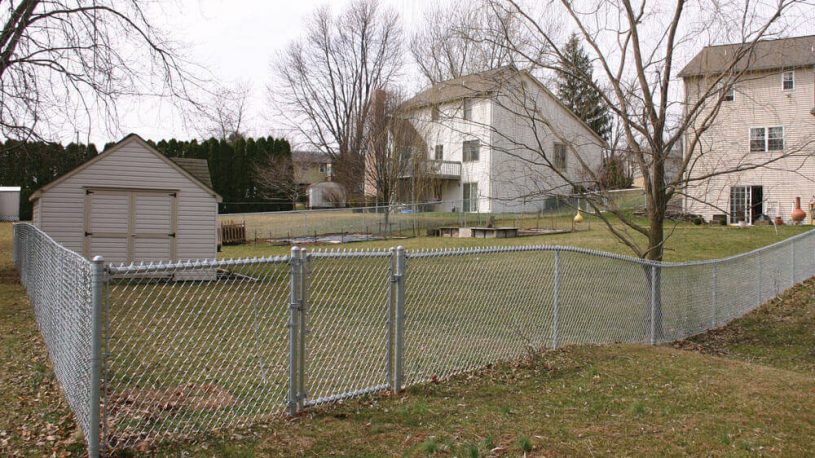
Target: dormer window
x: 788, y: 81
x: 468, y: 109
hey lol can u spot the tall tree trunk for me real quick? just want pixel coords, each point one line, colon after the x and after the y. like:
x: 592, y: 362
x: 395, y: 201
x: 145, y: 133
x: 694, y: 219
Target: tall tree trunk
x: 656, y: 247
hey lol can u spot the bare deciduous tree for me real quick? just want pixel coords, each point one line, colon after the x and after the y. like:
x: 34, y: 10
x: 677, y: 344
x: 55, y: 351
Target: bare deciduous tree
x: 636, y: 51
x: 224, y: 115
x: 465, y: 37
x: 276, y: 176
x: 392, y: 142
x: 68, y: 61
x: 325, y: 81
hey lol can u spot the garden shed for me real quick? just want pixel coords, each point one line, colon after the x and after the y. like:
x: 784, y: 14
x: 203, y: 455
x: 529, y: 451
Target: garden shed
x: 132, y: 204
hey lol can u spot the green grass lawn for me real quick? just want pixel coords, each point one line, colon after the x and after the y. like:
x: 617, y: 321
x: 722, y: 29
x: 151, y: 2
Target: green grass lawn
x: 748, y: 392
x: 686, y: 242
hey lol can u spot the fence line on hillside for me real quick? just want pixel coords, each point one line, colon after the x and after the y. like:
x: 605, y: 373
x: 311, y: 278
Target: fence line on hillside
x: 197, y: 346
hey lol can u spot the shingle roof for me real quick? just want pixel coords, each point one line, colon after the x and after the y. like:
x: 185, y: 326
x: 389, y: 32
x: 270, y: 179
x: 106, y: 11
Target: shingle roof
x: 475, y: 84
x: 310, y: 156
x: 198, y: 168
x: 766, y: 55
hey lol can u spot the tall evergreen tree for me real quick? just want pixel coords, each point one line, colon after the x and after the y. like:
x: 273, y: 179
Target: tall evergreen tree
x: 575, y: 90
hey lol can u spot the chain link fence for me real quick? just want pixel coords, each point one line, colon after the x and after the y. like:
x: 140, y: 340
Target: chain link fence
x: 60, y: 285
x: 410, y: 220
x: 199, y: 346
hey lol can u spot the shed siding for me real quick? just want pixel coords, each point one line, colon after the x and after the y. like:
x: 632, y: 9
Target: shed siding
x: 35, y: 213
x: 132, y: 166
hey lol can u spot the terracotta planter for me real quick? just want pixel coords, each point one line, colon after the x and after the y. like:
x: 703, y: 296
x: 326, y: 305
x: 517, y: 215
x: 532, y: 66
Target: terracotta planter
x: 797, y: 214
x: 778, y: 221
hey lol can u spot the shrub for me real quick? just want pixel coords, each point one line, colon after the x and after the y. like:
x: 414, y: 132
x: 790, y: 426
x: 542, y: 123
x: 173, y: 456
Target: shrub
x: 613, y: 175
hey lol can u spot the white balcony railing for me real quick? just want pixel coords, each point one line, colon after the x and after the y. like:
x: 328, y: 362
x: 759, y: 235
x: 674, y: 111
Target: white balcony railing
x: 432, y: 169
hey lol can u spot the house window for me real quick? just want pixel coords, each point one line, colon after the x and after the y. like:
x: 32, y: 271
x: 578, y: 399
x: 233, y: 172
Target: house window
x: 434, y: 113
x: 405, y: 153
x: 788, y: 81
x: 729, y: 93
x: 775, y: 139
x: 323, y: 168
x: 470, y: 197
x: 766, y: 139
x: 468, y: 109
x: 559, y: 159
x: 470, y: 150
x: 439, y: 153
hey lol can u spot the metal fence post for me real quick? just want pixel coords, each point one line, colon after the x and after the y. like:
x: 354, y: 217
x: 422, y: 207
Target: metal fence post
x: 391, y: 320
x: 303, y: 328
x: 653, y: 338
x: 715, y: 294
x: 294, y: 309
x: 758, y: 283
x: 97, y: 286
x: 399, y: 313
x: 792, y: 258
x: 556, y: 300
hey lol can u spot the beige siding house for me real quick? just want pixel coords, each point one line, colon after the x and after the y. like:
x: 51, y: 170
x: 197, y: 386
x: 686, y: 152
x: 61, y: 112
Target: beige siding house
x: 132, y: 204
x: 489, y: 137
x: 765, y: 129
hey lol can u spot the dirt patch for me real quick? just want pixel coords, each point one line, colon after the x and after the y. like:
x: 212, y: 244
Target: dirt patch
x: 190, y: 396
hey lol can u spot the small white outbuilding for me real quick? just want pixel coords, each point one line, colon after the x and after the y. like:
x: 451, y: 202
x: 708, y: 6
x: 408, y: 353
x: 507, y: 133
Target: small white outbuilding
x: 132, y: 204
x: 9, y: 203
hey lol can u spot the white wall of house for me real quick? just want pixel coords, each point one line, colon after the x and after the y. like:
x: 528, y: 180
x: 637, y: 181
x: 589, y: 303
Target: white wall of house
x: 509, y: 173
x: 760, y: 101
x: 451, y: 131
x: 60, y: 210
x: 520, y: 178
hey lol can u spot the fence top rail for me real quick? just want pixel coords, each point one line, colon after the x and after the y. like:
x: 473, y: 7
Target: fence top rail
x: 439, y: 252
x: 520, y: 248
x: 47, y: 237
x: 193, y: 264
x: 349, y: 253
x: 416, y: 253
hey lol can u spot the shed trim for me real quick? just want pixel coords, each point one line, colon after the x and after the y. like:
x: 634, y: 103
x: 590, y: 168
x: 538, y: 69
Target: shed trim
x: 126, y: 140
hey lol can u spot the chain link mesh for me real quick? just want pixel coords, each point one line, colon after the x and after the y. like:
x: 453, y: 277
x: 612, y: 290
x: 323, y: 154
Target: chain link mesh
x: 468, y: 308
x: 347, y: 318
x: 199, y: 346
x: 194, y: 347
x: 58, y: 284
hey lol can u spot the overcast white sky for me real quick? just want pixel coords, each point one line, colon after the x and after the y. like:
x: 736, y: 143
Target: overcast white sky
x: 236, y: 41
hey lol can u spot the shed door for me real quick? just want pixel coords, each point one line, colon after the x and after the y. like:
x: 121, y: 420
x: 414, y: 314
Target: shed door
x: 130, y: 225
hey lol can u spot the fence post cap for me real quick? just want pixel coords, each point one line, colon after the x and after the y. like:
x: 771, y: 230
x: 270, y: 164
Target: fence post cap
x: 98, y: 259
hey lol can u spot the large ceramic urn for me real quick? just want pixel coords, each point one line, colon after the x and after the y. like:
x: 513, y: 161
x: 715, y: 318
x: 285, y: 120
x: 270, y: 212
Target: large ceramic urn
x: 797, y: 214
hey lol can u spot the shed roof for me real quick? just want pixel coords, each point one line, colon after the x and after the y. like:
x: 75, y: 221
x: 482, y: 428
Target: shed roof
x: 198, y: 168
x: 127, y: 139
x: 765, y: 55
x: 10, y: 189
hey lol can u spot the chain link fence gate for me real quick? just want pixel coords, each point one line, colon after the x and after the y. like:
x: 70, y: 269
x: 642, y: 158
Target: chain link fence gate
x: 178, y: 349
